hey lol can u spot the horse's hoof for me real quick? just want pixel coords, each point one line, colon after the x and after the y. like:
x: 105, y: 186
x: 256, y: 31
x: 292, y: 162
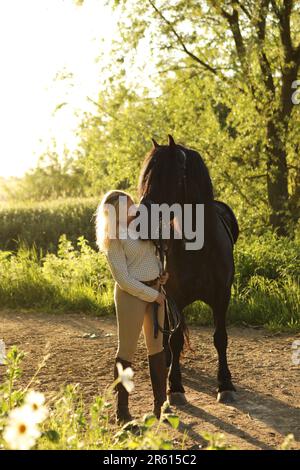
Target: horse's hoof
x: 228, y: 396
x: 177, y: 399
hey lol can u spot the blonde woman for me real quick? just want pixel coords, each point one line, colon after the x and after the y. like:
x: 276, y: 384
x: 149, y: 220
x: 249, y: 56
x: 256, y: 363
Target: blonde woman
x: 137, y: 273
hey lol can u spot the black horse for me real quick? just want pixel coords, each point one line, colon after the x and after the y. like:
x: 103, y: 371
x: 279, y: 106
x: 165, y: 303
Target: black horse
x: 175, y: 174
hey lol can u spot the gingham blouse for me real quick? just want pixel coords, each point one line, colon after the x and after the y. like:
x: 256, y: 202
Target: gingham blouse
x: 132, y: 261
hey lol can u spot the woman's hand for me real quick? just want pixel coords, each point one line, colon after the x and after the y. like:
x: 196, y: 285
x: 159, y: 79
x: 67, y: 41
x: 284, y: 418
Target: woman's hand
x: 163, y: 278
x: 160, y: 298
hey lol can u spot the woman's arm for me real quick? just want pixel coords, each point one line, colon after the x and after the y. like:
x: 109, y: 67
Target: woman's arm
x: 117, y: 262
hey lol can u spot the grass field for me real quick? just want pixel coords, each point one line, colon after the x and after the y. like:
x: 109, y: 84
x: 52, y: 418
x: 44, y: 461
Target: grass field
x: 265, y: 292
x: 40, y: 224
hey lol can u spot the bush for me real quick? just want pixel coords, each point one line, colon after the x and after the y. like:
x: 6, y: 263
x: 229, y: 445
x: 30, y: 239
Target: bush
x: 265, y: 292
x: 76, y: 280
x: 268, y: 256
x: 266, y: 286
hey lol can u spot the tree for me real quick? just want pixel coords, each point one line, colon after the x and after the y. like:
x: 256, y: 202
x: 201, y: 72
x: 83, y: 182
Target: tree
x: 115, y: 138
x: 251, y: 51
x: 53, y: 177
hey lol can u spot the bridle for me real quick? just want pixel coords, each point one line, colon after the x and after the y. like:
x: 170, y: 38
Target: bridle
x: 184, y: 182
x: 183, y: 168
x: 171, y: 309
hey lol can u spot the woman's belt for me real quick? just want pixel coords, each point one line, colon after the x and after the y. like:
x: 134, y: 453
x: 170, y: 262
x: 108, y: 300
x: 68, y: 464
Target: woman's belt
x: 172, y: 313
x: 152, y: 282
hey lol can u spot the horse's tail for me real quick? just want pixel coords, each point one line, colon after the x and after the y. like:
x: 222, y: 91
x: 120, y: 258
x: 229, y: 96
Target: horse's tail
x: 186, y: 337
x: 181, y: 326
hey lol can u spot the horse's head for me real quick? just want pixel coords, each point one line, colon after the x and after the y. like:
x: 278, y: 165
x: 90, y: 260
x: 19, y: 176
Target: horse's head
x: 174, y: 174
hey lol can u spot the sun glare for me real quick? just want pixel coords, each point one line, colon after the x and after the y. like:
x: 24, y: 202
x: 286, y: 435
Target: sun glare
x: 39, y: 40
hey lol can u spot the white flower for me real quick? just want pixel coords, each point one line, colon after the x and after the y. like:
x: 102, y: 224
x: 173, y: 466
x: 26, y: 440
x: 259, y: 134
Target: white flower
x: 2, y: 352
x: 21, y: 431
x: 125, y: 376
x: 35, y: 402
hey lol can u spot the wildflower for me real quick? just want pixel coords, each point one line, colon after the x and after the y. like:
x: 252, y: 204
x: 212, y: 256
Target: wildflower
x: 21, y: 431
x: 125, y: 376
x: 35, y: 401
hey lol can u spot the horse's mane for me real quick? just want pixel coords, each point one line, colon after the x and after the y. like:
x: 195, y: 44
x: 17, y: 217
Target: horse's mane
x: 162, y: 181
x: 162, y: 176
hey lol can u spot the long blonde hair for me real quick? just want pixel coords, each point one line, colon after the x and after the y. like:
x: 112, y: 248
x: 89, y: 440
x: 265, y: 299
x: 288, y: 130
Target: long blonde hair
x: 103, y: 217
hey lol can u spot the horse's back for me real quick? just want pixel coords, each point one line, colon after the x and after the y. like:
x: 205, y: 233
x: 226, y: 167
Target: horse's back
x: 228, y: 216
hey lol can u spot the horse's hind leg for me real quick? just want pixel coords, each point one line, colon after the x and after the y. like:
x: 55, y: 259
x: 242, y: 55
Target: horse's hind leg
x: 225, y: 387
x: 176, y: 392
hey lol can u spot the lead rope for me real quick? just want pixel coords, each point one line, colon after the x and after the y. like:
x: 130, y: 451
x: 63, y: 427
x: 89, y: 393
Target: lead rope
x: 156, y: 325
x: 170, y: 306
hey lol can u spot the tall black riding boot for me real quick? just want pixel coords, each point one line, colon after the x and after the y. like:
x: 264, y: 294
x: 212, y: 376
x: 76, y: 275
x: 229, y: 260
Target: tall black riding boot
x: 122, y: 412
x: 158, y: 374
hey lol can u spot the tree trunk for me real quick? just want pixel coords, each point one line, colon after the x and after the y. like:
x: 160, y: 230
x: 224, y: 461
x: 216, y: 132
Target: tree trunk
x: 277, y: 178
x: 277, y: 169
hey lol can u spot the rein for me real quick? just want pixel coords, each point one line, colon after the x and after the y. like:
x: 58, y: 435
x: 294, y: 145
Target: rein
x: 172, y: 312
x: 171, y: 309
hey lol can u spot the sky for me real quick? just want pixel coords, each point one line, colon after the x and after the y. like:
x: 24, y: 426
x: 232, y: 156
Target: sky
x: 40, y: 40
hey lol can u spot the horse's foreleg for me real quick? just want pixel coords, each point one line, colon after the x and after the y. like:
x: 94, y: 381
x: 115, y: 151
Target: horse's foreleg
x: 167, y: 351
x: 176, y: 392
x: 225, y: 387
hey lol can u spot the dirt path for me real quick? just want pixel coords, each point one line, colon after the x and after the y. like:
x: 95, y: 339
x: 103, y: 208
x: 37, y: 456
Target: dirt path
x: 267, y: 381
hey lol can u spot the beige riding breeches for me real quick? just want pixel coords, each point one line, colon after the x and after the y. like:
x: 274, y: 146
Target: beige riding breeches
x: 133, y: 316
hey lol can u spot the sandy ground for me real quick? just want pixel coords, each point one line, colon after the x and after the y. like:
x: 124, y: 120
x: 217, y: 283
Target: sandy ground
x: 268, y: 384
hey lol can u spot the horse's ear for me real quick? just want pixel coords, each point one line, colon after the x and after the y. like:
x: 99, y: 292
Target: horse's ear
x: 171, y: 141
x: 155, y: 144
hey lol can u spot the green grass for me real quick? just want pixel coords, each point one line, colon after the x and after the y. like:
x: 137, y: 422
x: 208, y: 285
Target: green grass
x: 265, y: 292
x: 72, y: 280
x: 41, y: 224
x: 266, y: 289
x: 69, y: 423
x: 263, y: 302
